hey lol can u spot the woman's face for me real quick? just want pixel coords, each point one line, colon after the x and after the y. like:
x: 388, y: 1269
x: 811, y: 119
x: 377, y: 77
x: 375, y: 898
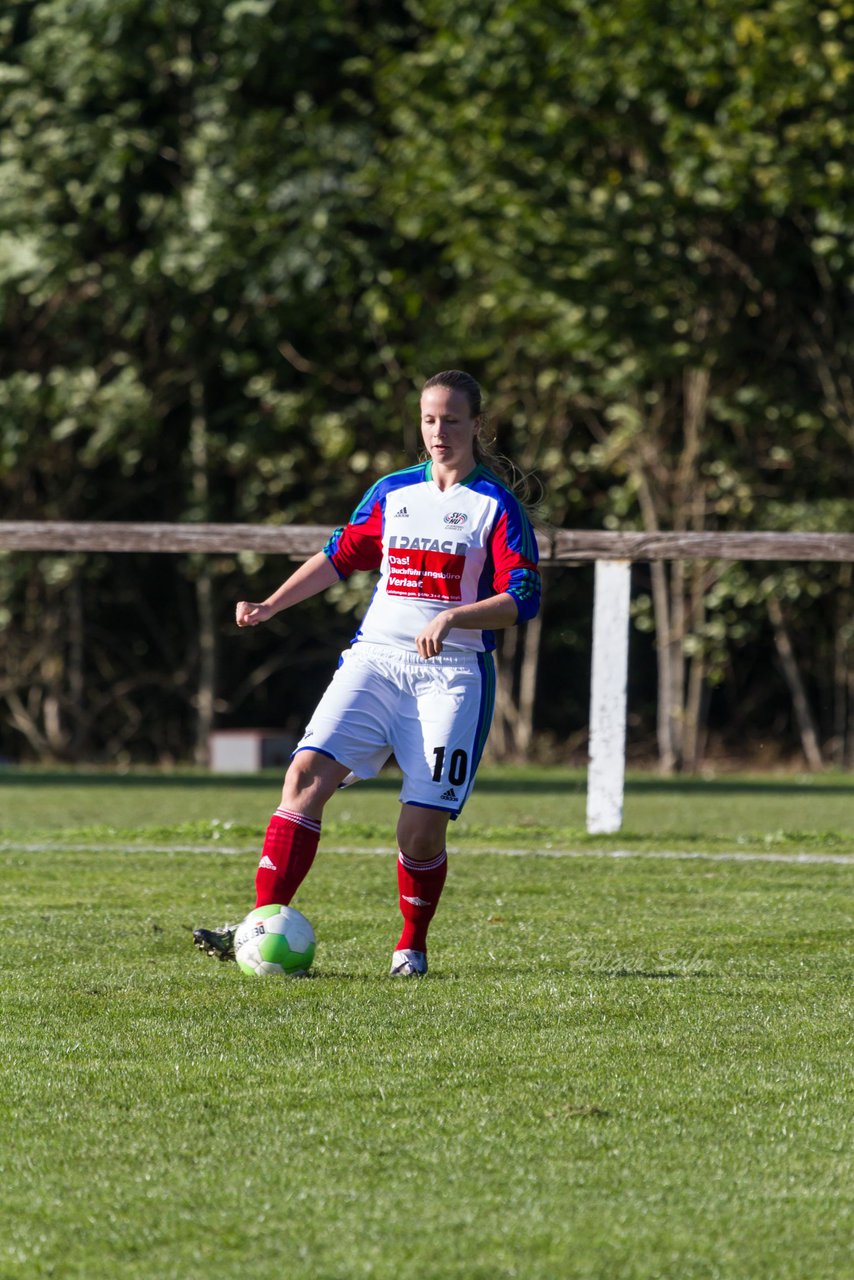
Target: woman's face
x: 448, y: 429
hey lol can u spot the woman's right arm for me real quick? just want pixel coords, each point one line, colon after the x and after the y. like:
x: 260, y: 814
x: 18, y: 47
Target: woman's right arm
x: 312, y: 577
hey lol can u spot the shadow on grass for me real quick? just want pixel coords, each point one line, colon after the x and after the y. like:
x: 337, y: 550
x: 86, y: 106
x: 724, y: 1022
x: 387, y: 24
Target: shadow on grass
x: 668, y: 974
x: 11, y: 777
x: 574, y: 783
x: 745, y: 785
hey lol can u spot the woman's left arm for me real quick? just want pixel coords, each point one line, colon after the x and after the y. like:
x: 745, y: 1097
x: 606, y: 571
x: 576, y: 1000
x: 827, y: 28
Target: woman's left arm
x: 492, y: 614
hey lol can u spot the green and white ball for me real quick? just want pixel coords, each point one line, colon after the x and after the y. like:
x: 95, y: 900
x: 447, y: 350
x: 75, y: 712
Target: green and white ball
x: 274, y: 940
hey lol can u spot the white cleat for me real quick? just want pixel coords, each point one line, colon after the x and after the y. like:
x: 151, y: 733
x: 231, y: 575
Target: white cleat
x: 408, y: 964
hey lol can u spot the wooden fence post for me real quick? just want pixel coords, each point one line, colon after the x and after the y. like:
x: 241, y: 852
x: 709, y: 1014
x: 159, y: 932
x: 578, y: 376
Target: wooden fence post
x: 607, y: 770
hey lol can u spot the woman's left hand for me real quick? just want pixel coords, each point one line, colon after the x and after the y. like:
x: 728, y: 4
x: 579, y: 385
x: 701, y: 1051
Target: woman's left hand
x: 429, y: 641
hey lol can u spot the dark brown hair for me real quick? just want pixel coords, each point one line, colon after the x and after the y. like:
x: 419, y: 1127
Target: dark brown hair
x: 457, y: 380
x: 484, y: 441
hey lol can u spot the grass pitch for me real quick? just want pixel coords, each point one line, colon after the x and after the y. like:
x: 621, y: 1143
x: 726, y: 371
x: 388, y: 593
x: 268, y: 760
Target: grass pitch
x: 620, y: 1067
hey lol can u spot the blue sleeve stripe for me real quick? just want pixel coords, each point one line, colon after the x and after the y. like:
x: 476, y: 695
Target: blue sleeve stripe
x: 524, y: 587
x: 331, y: 547
x: 520, y: 533
x: 525, y: 582
x: 378, y: 491
x: 332, y: 542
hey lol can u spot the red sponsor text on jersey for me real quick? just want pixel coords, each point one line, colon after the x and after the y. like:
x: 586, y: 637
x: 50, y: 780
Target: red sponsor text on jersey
x: 425, y: 575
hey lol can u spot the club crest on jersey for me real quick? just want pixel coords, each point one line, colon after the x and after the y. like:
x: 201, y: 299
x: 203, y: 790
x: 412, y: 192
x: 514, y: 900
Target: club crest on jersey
x: 456, y: 518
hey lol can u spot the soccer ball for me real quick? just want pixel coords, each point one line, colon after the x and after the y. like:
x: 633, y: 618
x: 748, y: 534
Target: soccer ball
x: 274, y: 940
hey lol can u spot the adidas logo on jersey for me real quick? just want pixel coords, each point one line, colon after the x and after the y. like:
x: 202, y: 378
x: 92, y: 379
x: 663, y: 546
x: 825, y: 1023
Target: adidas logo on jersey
x: 399, y: 515
x: 450, y: 794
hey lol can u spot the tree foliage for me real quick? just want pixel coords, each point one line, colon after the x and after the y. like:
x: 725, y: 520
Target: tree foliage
x: 235, y: 235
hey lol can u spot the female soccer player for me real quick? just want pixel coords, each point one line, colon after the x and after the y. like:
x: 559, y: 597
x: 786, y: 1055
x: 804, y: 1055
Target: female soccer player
x: 458, y: 560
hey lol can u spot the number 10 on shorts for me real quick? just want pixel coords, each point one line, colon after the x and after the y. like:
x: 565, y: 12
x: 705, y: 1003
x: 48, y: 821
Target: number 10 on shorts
x: 458, y: 766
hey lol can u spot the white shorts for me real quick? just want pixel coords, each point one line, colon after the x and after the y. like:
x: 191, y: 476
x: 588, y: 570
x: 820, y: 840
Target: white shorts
x: 433, y: 713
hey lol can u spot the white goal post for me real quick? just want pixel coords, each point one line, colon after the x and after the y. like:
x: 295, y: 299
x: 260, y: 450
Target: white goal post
x: 612, y: 553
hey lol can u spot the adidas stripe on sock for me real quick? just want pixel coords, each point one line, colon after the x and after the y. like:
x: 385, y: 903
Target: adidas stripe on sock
x: 289, y: 848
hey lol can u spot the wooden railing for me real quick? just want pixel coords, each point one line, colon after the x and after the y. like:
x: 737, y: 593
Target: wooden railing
x: 613, y: 554
x: 300, y: 541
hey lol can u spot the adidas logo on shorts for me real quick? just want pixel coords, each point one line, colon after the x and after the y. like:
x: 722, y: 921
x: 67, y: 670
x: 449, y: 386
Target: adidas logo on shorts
x: 450, y: 794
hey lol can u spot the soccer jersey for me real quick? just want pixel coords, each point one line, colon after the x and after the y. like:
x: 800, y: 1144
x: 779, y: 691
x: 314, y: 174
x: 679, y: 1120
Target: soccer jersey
x: 436, y: 548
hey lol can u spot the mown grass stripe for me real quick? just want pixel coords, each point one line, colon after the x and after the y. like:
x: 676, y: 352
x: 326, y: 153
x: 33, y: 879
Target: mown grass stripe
x: 649, y: 855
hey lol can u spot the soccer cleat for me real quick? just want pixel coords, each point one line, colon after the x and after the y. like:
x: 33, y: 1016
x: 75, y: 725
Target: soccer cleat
x: 216, y: 942
x: 408, y: 964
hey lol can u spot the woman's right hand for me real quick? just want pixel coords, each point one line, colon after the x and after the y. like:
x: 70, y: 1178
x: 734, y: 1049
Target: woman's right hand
x: 248, y: 614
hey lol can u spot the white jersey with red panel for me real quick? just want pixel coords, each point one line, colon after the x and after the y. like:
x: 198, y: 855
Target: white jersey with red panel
x: 436, y: 548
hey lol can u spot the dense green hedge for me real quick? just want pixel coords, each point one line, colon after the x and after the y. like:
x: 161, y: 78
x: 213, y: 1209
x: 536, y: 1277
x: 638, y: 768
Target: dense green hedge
x: 235, y: 236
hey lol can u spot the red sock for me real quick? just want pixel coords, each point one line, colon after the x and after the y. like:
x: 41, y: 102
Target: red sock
x: 420, y: 886
x: 289, y: 849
